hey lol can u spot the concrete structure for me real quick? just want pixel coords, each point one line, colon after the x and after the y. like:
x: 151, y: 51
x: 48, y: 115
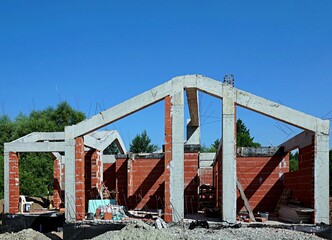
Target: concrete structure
x: 52, y: 142
x: 172, y: 92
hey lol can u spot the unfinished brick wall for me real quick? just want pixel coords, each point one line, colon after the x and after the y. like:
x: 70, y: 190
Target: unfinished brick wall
x: 301, y: 182
x: 109, y: 176
x: 191, y: 182
x: 167, y: 159
x: 79, y: 178
x: 92, y: 174
x: 146, y: 183
x: 260, y: 177
x: 56, y: 183
x: 121, y: 181
x: 206, y: 176
x: 14, y: 182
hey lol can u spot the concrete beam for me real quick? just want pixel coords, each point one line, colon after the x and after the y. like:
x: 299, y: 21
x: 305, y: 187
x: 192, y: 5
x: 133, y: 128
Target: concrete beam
x: 301, y: 140
x: 321, y: 179
x: 123, y: 109
x: 35, y: 146
x: 102, y: 139
x: 228, y: 156
x: 281, y: 113
x: 193, y: 130
x: 41, y: 136
x: 192, y: 98
x: 177, y: 163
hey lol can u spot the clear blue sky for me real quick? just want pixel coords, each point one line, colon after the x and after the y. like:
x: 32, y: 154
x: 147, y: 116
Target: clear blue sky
x: 96, y: 54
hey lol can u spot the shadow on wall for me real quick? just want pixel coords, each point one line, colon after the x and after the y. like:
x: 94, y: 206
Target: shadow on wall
x: 265, y: 187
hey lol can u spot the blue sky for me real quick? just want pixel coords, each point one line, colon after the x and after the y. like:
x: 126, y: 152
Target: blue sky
x: 96, y: 54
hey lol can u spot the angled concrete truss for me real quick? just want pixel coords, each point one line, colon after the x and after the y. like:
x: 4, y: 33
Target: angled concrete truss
x: 231, y: 97
x: 54, y: 142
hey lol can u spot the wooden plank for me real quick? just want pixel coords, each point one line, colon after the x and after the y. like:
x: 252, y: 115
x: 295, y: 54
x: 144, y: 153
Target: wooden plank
x: 245, y: 199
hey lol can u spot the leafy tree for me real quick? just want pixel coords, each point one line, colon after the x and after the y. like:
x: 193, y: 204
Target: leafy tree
x: 36, y: 169
x: 111, y: 149
x: 243, y: 138
x: 142, y: 144
x: 293, y: 161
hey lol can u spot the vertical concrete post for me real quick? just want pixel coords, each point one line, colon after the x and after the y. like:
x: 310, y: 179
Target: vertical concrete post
x: 6, y: 181
x: 70, y: 187
x: 177, y: 163
x: 321, y: 179
x: 228, y: 155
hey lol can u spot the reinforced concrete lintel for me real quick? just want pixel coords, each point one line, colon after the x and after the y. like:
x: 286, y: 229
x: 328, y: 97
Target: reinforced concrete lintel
x: 35, y: 147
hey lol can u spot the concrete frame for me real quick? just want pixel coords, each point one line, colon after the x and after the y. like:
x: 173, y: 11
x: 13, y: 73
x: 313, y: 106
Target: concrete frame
x: 42, y: 142
x: 231, y: 97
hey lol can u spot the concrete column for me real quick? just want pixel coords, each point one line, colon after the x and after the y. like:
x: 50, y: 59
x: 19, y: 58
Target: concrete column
x: 321, y: 178
x: 70, y: 187
x: 177, y: 163
x: 6, y: 181
x: 228, y: 156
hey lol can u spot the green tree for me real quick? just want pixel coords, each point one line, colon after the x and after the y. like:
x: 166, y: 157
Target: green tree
x: 111, y: 149
x: 293, y: 161
x: 36, y: 169
x: 142, y: 144
x: 243, y: 138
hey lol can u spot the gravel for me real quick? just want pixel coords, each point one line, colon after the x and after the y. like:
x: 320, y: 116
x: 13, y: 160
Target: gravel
x: 142, y: 230
x: 24, y: 235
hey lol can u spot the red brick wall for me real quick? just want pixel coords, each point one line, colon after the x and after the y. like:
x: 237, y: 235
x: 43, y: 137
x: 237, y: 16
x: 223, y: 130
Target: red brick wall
x: 302, y: 181
x: 140, y: 183
x: 206, y: 176
x: 79, y: 177
x: 146, y: 183
x: 260, y: 179
x: 56, y: 183
x: 92, y: 174
x: 191, y: 182
x: 121, y: 181
x: 167, y: 159
x: 109, y: 176
x: 14, y: 182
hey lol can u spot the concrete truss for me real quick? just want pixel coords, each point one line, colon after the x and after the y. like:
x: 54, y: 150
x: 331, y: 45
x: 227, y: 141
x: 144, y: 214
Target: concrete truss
x: 231, y: 97
x: 54, y: 142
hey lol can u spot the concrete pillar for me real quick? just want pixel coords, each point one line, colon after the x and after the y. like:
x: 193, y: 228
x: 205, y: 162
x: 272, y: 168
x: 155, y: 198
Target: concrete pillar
x: 70, y: 187
x: 321, y: 178
x: 167, y: 159
x: 6, y: 181
x: 177, y: 163
x: 80, y: 178
x: 57, y: 183
x: 228, y: 156
x: 12, y: 182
